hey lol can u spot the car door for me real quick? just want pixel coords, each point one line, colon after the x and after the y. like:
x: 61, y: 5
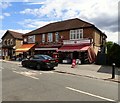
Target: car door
x: 30, y: 61
x: 33, y: 60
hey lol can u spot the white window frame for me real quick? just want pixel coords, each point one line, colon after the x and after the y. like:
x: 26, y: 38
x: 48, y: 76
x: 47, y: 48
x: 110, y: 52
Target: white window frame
x: 8, y: 42
x: 4, y: 42
x: 76, y: 34
x: 57, y: 36
x: 50, y: 37
x: 31, y: 39
x: 11, y: 41
x: 43, y: 38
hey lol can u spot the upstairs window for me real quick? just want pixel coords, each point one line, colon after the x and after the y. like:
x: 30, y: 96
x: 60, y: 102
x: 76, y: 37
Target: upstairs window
x: 31, y: 39
x: 11, y: 42
x: 5, y: 42
x: 43, y: 38
x: 76, y: 34
x: 56, y: 36
x: 8, y: 42
x: 50, y: 37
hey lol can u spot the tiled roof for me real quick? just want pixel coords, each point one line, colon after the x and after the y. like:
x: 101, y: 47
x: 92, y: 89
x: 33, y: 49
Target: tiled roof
x: 14, y: 34
x: 61, y: 25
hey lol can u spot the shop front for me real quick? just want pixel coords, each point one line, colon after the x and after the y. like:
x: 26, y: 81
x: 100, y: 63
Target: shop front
x: 25, y: 51
x: 51, y: 51
x: 48, y: 49
x: 8, y: 53
x: 78, y: 50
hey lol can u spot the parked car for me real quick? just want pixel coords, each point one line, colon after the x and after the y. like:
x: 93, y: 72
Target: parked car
x: 40, y: 61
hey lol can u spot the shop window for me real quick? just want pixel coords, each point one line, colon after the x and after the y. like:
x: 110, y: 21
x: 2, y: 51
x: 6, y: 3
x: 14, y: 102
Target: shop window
x: 6, y: 52
x: 3, y: 54
x: 43, y: 38
x: 0, y: 53
x: 50, y: 37
x: 76, y: 34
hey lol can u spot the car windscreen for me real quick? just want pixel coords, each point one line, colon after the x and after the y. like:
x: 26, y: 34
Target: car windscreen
x: 46, y: 57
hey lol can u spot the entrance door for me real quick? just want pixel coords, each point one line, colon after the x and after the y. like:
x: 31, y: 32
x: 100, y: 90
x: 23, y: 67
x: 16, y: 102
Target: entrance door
x: 75, y: 55
x: 82, y: 57
x: 10, y: 53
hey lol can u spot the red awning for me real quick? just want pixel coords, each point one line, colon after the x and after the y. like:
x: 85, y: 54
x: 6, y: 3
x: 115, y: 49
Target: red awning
x: 25, y: 47
x: 71, y: 48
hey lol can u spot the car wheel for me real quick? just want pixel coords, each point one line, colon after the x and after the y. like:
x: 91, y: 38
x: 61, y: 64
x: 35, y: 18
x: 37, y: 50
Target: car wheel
x: 23, y: 65
x: 52, y: 68
x: 38, y: 66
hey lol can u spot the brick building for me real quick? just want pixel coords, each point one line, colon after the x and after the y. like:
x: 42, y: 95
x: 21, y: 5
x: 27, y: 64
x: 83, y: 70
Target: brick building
x: 71, y: 38
x: 10, y: 41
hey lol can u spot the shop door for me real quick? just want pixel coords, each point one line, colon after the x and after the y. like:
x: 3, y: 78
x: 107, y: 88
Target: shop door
x: 82, y: 57
x: 10, y: 53
x: 75, y: 55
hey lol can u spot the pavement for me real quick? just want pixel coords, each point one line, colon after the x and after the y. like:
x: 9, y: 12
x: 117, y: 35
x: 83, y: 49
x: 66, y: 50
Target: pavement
x: 87, y: 70
x: 91, y: 71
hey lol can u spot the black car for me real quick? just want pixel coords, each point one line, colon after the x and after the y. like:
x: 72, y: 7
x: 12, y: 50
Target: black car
x: 40, y: 61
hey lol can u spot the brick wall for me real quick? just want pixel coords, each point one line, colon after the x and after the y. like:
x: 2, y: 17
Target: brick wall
x: 63, y: 34
x: 97, y: 41
x: 87, y: 33
x: 18, y: 44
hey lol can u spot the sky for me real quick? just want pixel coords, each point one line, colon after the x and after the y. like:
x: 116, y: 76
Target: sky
x: 26, y: 15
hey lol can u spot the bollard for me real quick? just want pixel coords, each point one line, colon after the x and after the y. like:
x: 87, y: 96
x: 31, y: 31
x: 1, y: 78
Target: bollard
x: 73, y: 63
x: 113, y: 70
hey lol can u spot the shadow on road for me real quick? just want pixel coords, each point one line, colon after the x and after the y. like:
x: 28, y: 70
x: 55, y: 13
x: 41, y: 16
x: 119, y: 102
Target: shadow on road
x: 108, y: 69
x: 43, y: 69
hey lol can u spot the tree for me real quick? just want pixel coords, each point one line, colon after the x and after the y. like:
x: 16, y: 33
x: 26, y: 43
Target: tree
x: 113, y: 53
x: 109, y: 46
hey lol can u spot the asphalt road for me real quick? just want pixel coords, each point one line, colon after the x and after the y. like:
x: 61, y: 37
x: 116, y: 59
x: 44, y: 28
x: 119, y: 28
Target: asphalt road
x: 22, y: 84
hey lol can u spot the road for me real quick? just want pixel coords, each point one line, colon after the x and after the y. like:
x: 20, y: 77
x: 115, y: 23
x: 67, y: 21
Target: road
x: 22, y: 84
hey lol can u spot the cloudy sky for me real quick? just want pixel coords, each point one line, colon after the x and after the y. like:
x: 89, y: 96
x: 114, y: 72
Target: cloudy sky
x: 26, y: 15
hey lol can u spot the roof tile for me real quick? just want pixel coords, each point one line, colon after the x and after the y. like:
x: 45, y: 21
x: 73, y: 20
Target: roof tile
x: 61, y: 25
